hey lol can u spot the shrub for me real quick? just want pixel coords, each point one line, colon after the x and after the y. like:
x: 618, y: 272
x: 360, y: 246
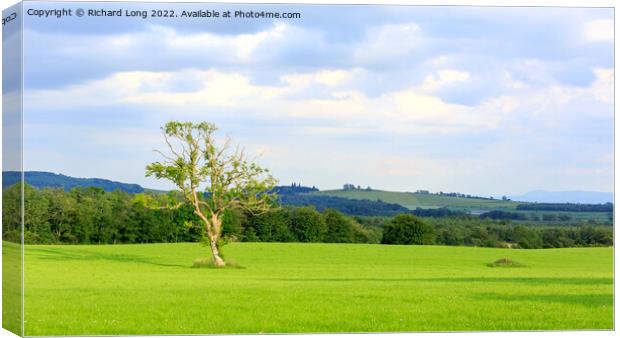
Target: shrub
x: 407, y: 229
x: 308, y: 225
x: 505, y: 263
x: 339, y: 227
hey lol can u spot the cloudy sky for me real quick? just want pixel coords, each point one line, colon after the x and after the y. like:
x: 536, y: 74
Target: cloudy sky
x: 478, y: 100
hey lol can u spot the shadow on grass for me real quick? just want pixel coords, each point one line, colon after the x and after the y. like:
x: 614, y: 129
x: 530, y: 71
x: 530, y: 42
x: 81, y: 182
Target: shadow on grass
x: 594, y: 300
x: 517, y: 280
x: 81, y: 255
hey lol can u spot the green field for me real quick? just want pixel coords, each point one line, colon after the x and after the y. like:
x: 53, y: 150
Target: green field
x: 425, y: 201
x: 11, y: 287
x: 151, y: 288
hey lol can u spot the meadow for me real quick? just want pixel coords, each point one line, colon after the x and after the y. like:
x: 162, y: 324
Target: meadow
x: 293, y: 287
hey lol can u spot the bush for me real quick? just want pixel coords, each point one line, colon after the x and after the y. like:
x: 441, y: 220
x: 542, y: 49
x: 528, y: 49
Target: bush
x: 308, y: 225
x: 505, y: 263
x: 339, y: 227
x: 408, y: 229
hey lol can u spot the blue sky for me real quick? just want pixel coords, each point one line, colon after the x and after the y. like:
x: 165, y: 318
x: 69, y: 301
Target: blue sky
x: 479, y: 100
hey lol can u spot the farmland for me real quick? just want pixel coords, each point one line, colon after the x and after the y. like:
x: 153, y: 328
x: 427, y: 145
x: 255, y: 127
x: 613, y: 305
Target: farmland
x: 294, y: 287
x: 415, y: 200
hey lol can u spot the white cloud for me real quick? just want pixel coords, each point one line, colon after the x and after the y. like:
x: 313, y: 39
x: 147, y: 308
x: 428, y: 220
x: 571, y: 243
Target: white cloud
x: 329, y: 78
x: 413, y: 110
x: 443, y: 78
x: 598, y: 30
x: 603, y: 86
x: 241, y: 46
x: 409, y: 110
x: 383, y: 99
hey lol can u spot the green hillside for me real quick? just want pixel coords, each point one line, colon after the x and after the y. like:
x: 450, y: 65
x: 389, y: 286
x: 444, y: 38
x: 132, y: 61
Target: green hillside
x: 295, y: 288
x: 426, y: 201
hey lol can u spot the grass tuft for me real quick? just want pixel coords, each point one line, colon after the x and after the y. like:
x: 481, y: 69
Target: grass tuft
x: 208, y: 262
x: 505, y: 263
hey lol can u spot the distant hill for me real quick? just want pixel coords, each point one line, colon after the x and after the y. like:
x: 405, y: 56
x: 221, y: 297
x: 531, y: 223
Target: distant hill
x: 584, y: 197
x: 298, y: 195
x: 413, y: 201
x: 42, y: 179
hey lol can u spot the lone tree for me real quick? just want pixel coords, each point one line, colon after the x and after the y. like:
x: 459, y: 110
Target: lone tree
x: 212, y: 178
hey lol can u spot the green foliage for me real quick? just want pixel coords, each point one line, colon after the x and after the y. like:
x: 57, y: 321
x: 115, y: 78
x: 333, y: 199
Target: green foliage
x: 339, y: 227
x: 473, y: 231
x: 90, y: 215
x: 272, y: 226
x: 232, y: 224
x: 408, y: 229
x: 36, y: 225
x: 194, y: 160
x: 308, y: 225
x: 527, y: 238
x: 11, y: 213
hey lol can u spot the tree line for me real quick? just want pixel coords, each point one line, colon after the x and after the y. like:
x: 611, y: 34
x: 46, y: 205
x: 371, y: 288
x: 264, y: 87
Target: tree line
x: 484, y: 232
x: 93, y: 216
x: 574, y: 207
x: 562, y: 217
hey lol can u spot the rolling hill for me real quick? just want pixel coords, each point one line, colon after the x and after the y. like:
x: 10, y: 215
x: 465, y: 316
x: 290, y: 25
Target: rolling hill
x: 42, y: 179
x: 425, y: 201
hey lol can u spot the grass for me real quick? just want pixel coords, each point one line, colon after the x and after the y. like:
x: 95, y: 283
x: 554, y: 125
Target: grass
x: 11, y: 287
x: 153, y: 289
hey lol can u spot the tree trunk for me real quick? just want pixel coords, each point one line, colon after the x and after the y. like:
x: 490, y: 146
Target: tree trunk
x: 217, y: 260
x: 216, y: 230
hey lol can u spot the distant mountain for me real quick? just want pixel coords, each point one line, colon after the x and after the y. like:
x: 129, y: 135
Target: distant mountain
x: 42, y: 179
x: 576, y: 196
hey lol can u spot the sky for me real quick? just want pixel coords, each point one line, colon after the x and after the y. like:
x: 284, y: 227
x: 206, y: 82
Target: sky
x: 480, y: 100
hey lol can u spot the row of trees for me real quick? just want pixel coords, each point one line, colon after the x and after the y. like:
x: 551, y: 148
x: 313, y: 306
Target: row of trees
x: 472, y: 231
x: 606, y: 207
x: 407, y: 229
x: 304, y: 224
x: 91, y: 215
x: 546, y: 217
